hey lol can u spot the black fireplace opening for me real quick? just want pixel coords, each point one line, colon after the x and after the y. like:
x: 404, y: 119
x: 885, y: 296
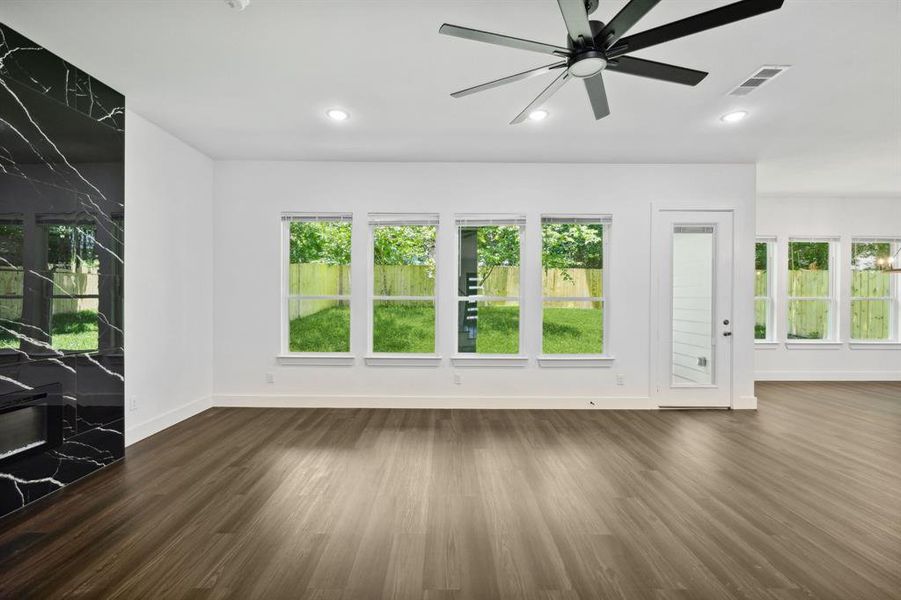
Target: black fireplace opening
x: 31, y: 421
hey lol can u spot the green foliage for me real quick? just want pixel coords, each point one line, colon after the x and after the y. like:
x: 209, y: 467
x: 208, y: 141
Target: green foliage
x: 404, y: 245
x: 760, y: 256
x: 71, y: 247
x: 812, y: 256
x: 320, y: 242
x: 572, y: 246
x: 864, y: 256
x: 566, y: 245
x: 498, y: 246
x: 11, y: 243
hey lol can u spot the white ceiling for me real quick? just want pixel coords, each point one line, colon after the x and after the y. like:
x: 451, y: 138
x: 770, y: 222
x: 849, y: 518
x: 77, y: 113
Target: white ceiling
x: 255, y: 84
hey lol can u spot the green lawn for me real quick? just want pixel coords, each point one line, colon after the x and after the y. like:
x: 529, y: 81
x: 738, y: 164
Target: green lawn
x: 404, y: 327
x: 325, y: 331
x: 572, y: 330
x: 411, y: 328
x: 498, y: 330
x: 69, y: 331
x: 74, y: 331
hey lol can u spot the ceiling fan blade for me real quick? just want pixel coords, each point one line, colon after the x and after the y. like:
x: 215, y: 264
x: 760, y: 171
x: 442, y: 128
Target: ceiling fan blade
x: 502, y: 40
x: 655, y: 70
x: 509, y: 79
x: 576, y: 18
x: 598, y: 96
x: 549, y: 91
x: 630, y: 14
x: 701, y: 22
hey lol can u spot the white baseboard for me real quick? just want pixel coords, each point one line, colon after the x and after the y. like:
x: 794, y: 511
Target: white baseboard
x: 169, y: 418
x: 483, y: 402
x: 827, y: 376
x: 745, y: 403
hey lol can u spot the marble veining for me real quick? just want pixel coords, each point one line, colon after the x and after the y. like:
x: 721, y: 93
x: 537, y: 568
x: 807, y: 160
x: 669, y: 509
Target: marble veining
x: 62, y: 242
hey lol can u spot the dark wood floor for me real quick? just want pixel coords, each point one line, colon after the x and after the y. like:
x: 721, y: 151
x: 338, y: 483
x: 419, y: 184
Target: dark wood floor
x: 800, y: 499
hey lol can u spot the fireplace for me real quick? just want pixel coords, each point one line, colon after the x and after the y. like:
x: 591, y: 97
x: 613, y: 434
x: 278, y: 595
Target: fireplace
x: 30, y: 421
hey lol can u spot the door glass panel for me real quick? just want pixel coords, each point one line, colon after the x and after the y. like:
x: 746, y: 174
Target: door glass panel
x: 693, y: 310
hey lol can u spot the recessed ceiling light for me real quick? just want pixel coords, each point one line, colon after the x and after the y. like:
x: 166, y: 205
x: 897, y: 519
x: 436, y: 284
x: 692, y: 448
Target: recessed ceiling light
x: 538, y: 115
x: 336, y: 114
x: 734, y: 117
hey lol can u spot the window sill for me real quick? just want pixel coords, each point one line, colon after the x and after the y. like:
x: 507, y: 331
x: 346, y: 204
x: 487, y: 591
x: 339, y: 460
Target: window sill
x: 862, y: 345
x: 575, y: 361
x: 813, y: 345
x: 766, y: 344
x: 462, y: 360
x: 316, y: 360
x: 403, y: 360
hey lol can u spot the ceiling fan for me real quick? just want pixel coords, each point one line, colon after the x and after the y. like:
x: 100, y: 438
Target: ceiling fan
x: 593, y: 46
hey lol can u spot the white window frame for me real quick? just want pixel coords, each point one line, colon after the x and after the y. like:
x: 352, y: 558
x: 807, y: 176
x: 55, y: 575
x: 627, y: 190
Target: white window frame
x: 399, y: 358
x: 770, y: 298
x: 476, y: 359
x: 285, y: 355
x: 893, y: 297
x: 605, y: 221
x: 833, y: 334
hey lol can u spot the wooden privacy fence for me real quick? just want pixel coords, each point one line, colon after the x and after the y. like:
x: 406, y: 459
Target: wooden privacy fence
x: 75, y: 283
x: 869, y: 320
x: 807, y: 318
x: 315, y: 279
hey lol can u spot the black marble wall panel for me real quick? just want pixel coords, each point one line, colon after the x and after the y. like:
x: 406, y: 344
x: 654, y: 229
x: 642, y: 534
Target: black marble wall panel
x: 62, y: 205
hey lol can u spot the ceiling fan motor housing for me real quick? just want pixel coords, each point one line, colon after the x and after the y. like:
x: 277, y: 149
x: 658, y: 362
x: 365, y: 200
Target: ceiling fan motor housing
x: 587, y: 60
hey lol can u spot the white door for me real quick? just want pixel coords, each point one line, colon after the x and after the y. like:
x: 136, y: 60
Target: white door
x: 692, y: 324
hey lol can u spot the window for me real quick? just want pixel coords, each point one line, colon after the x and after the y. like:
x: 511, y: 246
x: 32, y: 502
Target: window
x: 572, y: 282
x: 874, y: 293
x: 73, y: 282
x: 316, y: 307
x: 12, y: 283
x: 811, y: 298
x: 488, y: 275
x: 764, y: 291
x: 403, y: 283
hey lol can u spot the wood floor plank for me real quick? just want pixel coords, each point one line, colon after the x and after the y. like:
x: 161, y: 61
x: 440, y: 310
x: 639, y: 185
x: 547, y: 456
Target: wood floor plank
x: 800, y: 499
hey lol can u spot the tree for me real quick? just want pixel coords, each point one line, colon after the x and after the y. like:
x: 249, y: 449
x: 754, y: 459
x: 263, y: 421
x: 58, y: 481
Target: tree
x: 320, y: 242
x: 572, y: 246
x: 760, y: 256
x: 404, y: 245
x: 812, y: 256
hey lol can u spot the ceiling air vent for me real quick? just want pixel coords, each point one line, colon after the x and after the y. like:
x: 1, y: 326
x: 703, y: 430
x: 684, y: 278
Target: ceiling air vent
x: 757, y: 79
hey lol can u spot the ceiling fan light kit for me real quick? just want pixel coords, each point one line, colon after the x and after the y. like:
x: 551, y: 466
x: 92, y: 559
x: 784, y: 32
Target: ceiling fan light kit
x: 593, y: 47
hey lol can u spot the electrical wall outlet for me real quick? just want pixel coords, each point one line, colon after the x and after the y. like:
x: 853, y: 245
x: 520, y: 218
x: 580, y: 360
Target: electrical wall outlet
x: 270, y: 377
x: 132, y: 403
x: 458, y: 379
x: 620, y: 380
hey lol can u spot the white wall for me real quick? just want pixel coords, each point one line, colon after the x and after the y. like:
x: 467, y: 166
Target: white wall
x: 168, y: 279
x: 843, y: 218
x: 251, y: 195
